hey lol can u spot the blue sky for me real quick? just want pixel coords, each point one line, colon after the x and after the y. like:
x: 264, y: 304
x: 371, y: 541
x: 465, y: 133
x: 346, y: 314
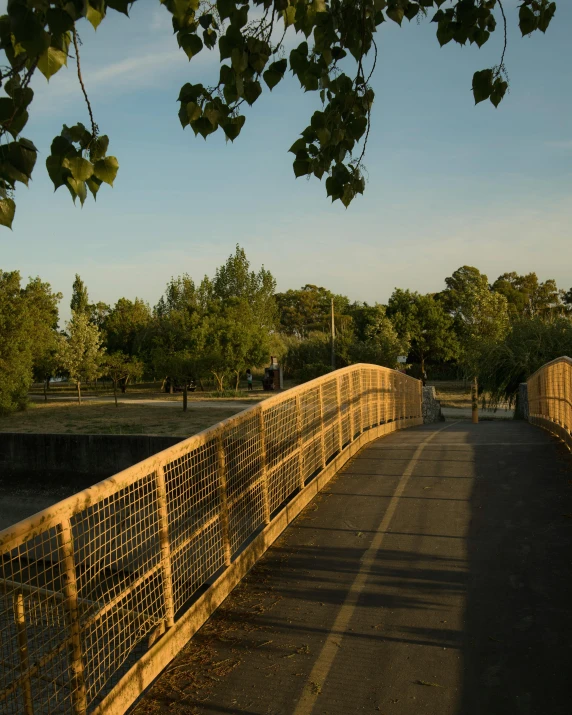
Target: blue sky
x: 449, y: 183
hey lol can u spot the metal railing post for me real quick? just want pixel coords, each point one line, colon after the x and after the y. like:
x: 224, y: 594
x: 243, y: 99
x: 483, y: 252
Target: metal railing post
x: 224, y: 517
x: 339, y: 400
x: 20, y: 618
x: 263, y: 471
x: 166, y: 567
x: 352, y: 408
x: 71, y: 606
x: 300, y: 442
x: 322, y: 441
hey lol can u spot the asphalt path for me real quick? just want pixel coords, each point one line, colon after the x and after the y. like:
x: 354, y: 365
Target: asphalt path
x: 431, y: 577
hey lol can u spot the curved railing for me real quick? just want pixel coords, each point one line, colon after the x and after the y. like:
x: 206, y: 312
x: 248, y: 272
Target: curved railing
x: 550, y: 398
x: 100, y: 591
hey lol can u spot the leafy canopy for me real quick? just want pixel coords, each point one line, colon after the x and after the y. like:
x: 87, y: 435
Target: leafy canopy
x: 335, y: 58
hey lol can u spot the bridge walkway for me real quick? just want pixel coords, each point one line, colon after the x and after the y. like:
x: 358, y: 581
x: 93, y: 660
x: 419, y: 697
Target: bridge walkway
x: 431, y: 577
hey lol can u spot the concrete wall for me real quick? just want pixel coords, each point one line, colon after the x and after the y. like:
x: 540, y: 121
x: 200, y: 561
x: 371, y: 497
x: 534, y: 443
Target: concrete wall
x: 94, y: 455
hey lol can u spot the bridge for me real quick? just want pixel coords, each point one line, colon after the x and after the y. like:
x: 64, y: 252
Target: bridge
x: 423, y: 570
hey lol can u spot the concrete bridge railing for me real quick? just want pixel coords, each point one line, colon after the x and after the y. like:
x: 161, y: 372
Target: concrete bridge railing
x: 100, y: 591
x: 550, y: 398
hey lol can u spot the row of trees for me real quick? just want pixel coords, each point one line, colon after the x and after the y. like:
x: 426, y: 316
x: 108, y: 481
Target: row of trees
x: 216, y: 329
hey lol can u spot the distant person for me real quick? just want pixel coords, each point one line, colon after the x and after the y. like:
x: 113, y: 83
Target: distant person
x: 249, y: 380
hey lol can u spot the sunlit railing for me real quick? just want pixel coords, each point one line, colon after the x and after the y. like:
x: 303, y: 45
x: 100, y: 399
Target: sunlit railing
x: 88, y: 585
x: 550, y: 398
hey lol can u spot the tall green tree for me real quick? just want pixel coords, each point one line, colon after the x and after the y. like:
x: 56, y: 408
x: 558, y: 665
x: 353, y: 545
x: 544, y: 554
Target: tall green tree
x: 80, y: 353
x: 529, y: 344
x: 179, y: 332
x: 376, y: 341
x: 425, y: 323
x: 42, y: 305
x: 527, y: 296
x: 241, y: 317
x: 16, y: 344
x: 79, y: 303
x: 480, y: 314
x: 336, y: 58
x: 121, y: 368
x: 28, y: 322
x: 127, y: 327
x: 307, y: 310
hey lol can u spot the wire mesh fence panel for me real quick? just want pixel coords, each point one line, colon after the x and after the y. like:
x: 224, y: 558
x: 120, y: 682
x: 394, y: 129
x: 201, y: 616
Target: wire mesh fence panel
x: 330, y: 418
x: 88, y: 585
x: 345, y: 399
x: 244, y: 484
x: 195, y: 533
x: 550, y: 396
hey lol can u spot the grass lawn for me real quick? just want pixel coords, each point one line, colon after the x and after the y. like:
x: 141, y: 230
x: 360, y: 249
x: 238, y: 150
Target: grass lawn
x: 104, y: 418
x: 452, y: 393
x: 456, y: 393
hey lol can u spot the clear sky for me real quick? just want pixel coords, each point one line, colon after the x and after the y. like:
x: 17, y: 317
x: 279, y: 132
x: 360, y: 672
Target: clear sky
x: 449, y: 183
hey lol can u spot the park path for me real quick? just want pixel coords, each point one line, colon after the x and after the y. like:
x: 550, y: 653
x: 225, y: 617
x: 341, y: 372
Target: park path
x: 431, y: 577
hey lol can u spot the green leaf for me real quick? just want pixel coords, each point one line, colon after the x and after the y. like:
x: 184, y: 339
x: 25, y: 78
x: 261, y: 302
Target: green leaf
x: 528, y: 22
x: 106, y: 169
x: 120, y: 5
x: 445, y: 32
x: 202, y: 126
x: 272, y: 78
x: 239, y: 60
x: 411, y: 11
x: 546, y: 15
x: 7, y: 211
x: 77, y: 189
x: 232, y: 127
x: 98, y: 147
x: 225, y: 8
x: 301, y: 167
x: 57, y: 173
x: 59, y: 21
x: 81, y: 169
x: 19, y: 158
x: 482, y: 85
x: 191, y: 43
x: 93, y: 185
x: 51, y: 61
x: 95, y: 14
x: 481, y: 36
x: 18, y: 123
x: 395, y: 12
x: 498, y: 92
x: 206, y: 20
x: 193, y: 111
x: 252, y: 90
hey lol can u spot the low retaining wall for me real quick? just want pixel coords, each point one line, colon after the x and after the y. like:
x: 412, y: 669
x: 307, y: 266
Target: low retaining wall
x: 96, y: 455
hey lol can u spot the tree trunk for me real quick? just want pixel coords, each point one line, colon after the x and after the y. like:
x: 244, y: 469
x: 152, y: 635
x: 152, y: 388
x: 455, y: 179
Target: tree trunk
x: 163, y: 384
x: 219, y: 382
x: 475, y: 400
x: 79, y: 392
x: 185, y: 397
x: 237, y: 384
x: 45, y: 388
x: 423, y: 376
x: 201, y: 384
x: 115, y: 392
x: 171, y: 387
